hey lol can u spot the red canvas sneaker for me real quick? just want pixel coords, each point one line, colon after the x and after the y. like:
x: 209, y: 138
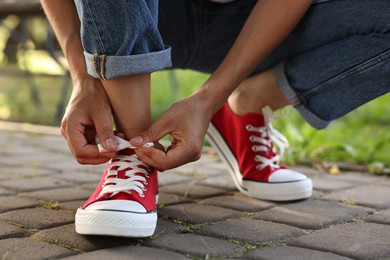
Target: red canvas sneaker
x: 245, y: 143
x: 124, y: 203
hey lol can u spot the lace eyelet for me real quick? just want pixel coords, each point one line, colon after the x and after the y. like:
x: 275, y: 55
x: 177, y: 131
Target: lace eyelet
x: 251, y: 138
x: 248, y: 127
x: 254, y: 149
x: 146, y: 183
x: 142, y: 195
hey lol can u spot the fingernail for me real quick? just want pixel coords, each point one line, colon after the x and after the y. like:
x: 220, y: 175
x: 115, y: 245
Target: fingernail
x: 137, y: 139
x: 110, y: 143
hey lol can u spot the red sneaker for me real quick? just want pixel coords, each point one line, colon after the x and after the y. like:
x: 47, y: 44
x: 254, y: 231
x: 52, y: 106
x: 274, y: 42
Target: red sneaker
x: 245, y: 144
x: 124, y: 203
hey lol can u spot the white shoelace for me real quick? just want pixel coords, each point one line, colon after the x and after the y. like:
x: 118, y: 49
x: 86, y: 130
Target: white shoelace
x: 136, y: 176
x: 262, y: 144
x: 121, y: 144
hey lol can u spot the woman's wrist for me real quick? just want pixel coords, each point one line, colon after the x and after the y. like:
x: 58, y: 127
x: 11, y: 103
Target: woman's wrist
x: 214, y: 94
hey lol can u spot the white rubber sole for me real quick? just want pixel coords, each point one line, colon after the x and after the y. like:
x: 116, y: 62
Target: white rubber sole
x: 274, y: 191
x: 115, y: 223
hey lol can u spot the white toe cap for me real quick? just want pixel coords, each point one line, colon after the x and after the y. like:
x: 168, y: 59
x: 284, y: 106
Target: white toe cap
x: 286, y: 175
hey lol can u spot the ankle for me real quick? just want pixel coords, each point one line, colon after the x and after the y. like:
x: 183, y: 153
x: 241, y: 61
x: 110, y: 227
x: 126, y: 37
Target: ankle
x: 241, y: 104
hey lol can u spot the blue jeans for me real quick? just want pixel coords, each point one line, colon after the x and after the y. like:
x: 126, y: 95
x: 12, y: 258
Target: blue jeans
x: 335, y: 60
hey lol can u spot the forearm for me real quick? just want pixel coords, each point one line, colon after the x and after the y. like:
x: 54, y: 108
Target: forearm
x: 268, y: 25
x: 65, y: 22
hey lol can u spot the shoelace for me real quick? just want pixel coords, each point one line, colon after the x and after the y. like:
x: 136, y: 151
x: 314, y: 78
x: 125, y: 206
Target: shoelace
x: 121, y: 144
x: 136, y: 176
x: 263, y: 144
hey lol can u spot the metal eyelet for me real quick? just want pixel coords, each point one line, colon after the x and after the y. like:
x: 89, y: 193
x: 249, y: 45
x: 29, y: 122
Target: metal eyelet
x: 142, y: 195
x: 248, y: 127
x: 146, y: 183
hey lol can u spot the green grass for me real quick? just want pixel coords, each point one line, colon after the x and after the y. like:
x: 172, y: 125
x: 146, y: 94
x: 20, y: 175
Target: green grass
x: 362, y: 136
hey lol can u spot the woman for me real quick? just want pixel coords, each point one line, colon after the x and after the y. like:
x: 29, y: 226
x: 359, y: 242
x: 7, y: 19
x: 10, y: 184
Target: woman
x: 323, y: 57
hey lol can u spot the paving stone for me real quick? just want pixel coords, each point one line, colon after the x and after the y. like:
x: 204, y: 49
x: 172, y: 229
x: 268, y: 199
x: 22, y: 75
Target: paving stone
x: 71, y: 205
x: 171, y: 177
x: 250, y: 230
x: 332, y: 183
x: 208, y: 180
x: 238, y: 202
x: 197, y: 213
x: 61, y: 194
x: 165, y: 227
x: 80, y: 177
x: 358, y: 240
x: 26, y: 248
x: 204, y: 167
x: 313, y: 214
x: 67, y: 236
x: 10, y: 231
x: 223, y: 181
x: 192, y: 191
x: 308, y: 171
x: 351, y: 167
x: 291, y: 253
x: 89, y: 186
x: 51, y: 142
x: 5, y: 192
x: 38, y: 218
x: 317, y: 194
x: 381, y: 217
x: 343, y: 167
x: 166, y: 199
x: 195, y: 245
x: 71, y: 165
x: 33, y: 157
x: 376, y: 196
x: 14, y: 173
x: 38, y: 183
x: 8, y: 203
x: 358, y: 177
x: 129, y: 252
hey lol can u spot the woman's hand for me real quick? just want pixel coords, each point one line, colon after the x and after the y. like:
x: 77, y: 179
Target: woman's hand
x: 187, y: 122
x: 89, y: 114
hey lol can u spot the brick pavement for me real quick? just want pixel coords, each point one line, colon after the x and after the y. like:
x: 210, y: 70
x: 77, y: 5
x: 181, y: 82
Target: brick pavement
x: 201, y: 214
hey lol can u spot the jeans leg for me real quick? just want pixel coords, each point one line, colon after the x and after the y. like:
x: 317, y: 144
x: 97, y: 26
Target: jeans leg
x: 342, y: 76
x: 330, y: 80
x: 121, y: 37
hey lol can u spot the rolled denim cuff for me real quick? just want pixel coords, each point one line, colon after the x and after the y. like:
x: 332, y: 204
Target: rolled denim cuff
x: 107, y: 67
x: 284, y: 86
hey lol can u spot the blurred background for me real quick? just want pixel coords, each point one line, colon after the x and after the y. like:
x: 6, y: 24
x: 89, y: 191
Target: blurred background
x: 35, y: 87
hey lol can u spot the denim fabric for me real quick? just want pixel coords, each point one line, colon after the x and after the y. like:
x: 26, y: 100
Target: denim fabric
x: 121, y: 37
x: 335, y: 60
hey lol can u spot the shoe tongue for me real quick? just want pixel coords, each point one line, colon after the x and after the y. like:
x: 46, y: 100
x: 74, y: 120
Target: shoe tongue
x: 254, y: 118
x: 127, y: 152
